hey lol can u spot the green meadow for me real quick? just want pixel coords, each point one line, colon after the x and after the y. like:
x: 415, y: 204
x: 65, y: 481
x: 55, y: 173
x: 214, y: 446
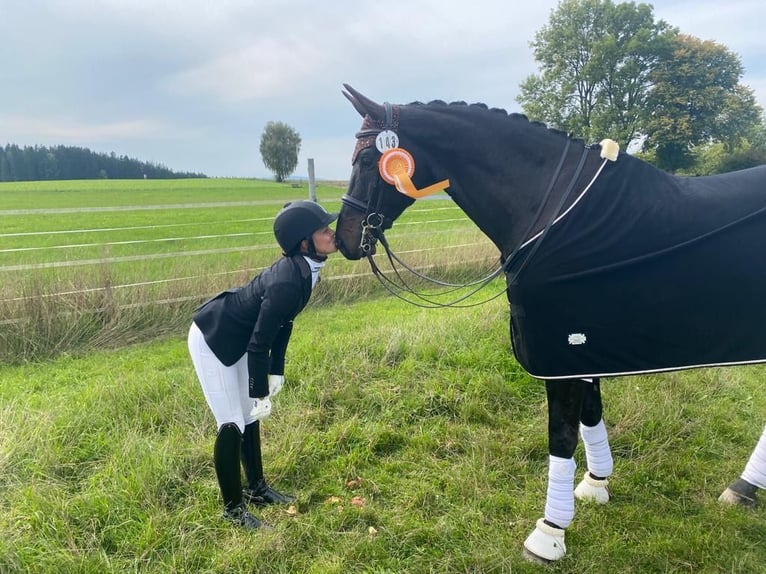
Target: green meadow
x: 86, y: 264
x: 411, y: 437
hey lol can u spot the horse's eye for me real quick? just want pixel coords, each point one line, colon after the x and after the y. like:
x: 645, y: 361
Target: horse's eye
x: 367, y: 159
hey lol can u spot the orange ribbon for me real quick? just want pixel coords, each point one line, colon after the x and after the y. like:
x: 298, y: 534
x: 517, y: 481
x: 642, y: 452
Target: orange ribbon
x: 396, y: 167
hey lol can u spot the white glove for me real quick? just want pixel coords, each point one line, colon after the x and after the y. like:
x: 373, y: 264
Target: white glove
x: 261, y: 409
x: 275, y: 384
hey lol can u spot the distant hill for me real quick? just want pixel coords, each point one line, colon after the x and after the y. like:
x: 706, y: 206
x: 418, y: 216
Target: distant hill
x: 66, y: 162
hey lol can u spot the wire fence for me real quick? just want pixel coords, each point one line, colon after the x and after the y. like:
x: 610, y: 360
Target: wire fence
x: 89, y: 277
x: 32, y: 251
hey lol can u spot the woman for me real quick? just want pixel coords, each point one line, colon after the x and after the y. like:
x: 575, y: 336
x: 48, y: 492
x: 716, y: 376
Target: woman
x: 237, y: 343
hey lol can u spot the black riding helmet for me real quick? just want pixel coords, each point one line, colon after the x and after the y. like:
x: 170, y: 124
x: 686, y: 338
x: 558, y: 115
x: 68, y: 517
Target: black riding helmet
x: 298, y: 220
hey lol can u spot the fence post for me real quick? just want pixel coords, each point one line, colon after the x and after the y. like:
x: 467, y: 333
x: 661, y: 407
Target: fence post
x: 312, y: 183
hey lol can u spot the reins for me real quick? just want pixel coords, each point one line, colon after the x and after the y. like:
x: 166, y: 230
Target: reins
x: 397, y: 289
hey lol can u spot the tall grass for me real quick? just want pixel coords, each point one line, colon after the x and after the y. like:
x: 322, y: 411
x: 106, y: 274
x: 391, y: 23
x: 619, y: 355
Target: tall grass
x: 412, y: 439
x: 50, y: 318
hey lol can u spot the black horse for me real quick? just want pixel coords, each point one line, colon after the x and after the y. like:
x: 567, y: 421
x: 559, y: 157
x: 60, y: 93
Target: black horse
x: 613, y: 267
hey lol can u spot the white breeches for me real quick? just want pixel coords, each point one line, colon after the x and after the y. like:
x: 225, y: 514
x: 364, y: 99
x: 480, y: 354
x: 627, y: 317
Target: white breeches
x: 225, y: 388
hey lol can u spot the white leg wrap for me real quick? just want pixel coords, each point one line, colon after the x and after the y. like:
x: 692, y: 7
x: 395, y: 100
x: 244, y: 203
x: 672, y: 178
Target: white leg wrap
x: 597, y: 451
x: 546, y: 542
x: 592, y: 489
x: 755, y: 470
x: 559, y: 504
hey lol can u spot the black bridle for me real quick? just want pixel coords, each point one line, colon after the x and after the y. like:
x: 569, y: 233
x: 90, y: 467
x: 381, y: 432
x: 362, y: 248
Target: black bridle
x: 372, y: 233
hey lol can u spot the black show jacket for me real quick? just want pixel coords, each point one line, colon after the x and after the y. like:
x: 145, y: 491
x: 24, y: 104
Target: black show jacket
x: 257, y: 319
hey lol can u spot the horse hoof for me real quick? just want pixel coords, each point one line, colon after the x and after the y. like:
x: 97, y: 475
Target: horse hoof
x: 592, y: 489
x: 535, y: 559
x: 545, y: 544
x: 734, y: 498
x: 740, y: 493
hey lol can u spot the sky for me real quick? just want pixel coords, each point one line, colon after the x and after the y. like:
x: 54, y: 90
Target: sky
x: 191, y: 84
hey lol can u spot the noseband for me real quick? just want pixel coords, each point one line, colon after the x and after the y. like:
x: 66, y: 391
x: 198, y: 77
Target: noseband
x: 372, y: 223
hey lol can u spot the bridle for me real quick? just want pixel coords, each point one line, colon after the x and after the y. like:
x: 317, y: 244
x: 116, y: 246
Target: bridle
x: 373, y: 219
x: 372, y: 223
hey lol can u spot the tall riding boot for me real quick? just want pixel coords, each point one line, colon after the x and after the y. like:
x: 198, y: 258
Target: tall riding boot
x: 225, y: 455
x: 257, y: 491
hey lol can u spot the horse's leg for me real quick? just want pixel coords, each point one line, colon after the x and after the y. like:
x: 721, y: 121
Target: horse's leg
x: 597, y: 452
x: 743, y: 491
x: 564, y: 405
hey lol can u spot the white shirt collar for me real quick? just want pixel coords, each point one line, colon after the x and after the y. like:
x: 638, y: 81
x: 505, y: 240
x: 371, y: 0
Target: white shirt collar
x: 315, y: 267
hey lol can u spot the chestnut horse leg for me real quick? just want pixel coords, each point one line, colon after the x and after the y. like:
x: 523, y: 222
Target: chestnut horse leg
x: 565, y: 400
x: 743, y: 491
x: 598, y: 455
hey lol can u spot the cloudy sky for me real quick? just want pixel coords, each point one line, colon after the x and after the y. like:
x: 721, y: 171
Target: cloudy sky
x: 191, y: 84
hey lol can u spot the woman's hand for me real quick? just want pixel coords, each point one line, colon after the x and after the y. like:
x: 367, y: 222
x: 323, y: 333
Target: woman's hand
x: 261, y: 409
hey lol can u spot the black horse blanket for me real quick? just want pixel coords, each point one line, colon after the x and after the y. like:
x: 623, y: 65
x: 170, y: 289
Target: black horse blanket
x: 648, y: 272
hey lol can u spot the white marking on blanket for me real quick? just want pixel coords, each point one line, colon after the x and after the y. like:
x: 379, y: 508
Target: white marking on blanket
x: 577, y: 339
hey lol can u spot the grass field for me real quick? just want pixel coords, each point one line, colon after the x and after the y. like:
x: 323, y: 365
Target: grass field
x: 84, y: 263
x: 106, y: 459
x: 413, y: 440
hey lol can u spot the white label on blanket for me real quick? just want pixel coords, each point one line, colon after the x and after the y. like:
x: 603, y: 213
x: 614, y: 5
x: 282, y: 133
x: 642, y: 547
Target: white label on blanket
x: 577, y: 339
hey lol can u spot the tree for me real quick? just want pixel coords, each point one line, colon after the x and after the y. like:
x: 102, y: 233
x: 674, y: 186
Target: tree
x: 280, y: 145
x: 697, y: 100
x: 596, y: 59
x: 714, y: 158
x: 5, y: 167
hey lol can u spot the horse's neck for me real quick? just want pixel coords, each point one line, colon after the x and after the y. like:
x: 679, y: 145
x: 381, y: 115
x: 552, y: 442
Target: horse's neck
x: 511, y: 203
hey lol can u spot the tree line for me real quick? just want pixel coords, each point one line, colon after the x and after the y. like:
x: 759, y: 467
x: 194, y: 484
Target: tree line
x: 32, y: 163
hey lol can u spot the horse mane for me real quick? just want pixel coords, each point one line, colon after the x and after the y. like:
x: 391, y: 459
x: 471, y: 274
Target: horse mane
x: 513, y: 116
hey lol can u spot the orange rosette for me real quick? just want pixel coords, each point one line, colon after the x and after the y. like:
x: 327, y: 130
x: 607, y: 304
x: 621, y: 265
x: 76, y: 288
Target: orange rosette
x: 396, y: 162
x: 396, y: 167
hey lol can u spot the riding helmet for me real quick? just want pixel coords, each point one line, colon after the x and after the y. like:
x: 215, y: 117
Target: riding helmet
x: 297, y: 221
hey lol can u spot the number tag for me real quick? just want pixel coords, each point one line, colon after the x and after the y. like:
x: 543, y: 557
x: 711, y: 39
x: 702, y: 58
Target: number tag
x: 386, y: 140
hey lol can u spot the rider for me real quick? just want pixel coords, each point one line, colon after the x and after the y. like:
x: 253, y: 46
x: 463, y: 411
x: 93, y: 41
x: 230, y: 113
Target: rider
x: 237, y: 343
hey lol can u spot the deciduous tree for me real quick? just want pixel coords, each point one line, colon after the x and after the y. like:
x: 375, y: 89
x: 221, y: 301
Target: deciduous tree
x: 280, y: 145
x: 697, y: 99
x: 596, y: 59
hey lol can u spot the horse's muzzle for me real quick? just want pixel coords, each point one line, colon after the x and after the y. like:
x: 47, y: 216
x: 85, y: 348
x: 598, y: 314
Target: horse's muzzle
x: 351, y: 253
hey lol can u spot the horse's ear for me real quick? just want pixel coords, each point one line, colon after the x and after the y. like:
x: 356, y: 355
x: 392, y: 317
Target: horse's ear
x: 364, y: 105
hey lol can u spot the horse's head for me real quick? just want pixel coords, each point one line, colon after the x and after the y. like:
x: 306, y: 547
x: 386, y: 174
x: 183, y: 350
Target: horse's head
x: 384, y: 181
x: 509, y: 175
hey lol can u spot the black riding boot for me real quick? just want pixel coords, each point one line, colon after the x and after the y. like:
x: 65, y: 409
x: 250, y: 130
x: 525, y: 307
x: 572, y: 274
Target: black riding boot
x: 257, y: 491
x: 225, y: 455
